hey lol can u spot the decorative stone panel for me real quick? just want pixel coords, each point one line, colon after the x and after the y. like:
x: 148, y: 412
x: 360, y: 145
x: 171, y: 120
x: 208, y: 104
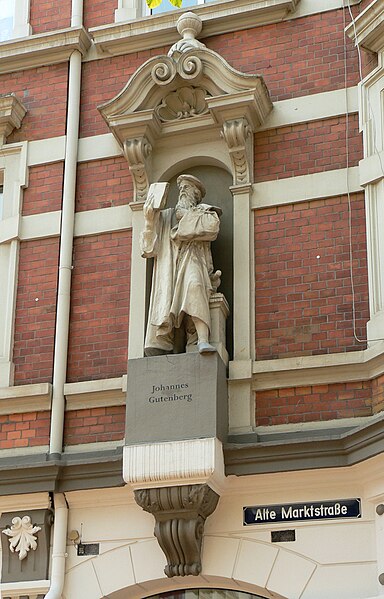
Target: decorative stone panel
x: 32, y: 563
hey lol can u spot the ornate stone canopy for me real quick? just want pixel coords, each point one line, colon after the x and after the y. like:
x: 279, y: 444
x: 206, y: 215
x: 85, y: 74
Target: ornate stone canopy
x: 190, y: 92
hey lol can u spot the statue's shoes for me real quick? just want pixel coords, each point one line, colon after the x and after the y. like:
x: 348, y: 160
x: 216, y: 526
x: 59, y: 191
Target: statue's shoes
x: 205, y: 348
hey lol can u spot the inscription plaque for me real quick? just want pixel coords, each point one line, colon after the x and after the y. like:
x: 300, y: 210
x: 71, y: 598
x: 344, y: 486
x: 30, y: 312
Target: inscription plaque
x: 176, y: 397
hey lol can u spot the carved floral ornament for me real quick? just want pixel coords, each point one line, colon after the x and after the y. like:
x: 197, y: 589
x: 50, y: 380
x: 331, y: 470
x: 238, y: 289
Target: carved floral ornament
x: 22, y: 536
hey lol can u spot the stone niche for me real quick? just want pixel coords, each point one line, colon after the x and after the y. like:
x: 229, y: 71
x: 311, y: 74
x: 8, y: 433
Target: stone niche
x: 176, y: 397
x: 34, y: 566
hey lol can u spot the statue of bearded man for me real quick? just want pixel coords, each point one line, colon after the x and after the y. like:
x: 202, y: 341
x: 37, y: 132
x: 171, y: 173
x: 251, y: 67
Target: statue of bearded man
x: 179, y: 240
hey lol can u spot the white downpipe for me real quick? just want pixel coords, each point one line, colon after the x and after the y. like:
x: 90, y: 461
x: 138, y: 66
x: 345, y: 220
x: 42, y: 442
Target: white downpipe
x: 59, y: 548
x: 66, y: 243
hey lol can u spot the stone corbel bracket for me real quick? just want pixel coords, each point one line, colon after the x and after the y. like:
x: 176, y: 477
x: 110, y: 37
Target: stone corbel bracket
x: 138, y: 153
x: 180, y: 513
x: 238, y: 136
x: 12, y: 112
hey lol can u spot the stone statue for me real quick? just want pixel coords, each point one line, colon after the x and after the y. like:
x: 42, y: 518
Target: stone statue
x: 179, y: 240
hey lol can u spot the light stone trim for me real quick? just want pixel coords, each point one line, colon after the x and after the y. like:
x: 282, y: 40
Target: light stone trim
x: 94, y: 394
x: 14, y: 173
x: 40, y: 226
x: 42, y: 49
x: 158, y: 31
x: 174, y: 462
x: 25, y: 398
x: 369, y: 27
x: 19, y: 590
x: 30, y: 501
x: 314, y: 370
x: 305, y: 188
x: 285, y: 112
x: 98, y: 147
x: 46, y: 151
x: 314, y: 107
x: 102, y: 220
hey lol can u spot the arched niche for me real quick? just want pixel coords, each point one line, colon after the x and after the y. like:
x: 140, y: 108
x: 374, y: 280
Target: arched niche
x: 187, y: 110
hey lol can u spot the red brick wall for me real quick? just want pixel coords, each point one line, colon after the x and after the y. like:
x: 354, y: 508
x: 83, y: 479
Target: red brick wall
x: 99, y: 12
x: 43, y: 92
x: 24, y: 430
x: 378, y: 394
x: 101, y: 81
x: 94, y: 425
x: 304, y: 303
x: 46, y: 15
x: 35, y: 320
x: 307, y: 148
x: 297, y: 57
x: 44, y: 191
x: 98, y: 340
x: 313, y: 403
x: 103, y: 183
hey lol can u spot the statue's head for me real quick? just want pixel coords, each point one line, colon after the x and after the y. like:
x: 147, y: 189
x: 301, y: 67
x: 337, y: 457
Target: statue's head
x: 191, y: 189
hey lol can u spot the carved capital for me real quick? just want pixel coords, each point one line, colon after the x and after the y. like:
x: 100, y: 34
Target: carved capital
x: 138, y: 153
x: 180, y: 514
x: 238, y: 137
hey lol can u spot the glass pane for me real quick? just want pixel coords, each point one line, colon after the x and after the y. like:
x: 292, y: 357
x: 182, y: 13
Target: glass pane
x: 6, y: 19
x: 205, y: 594
x: 165, y: 6
x: 1, y: 203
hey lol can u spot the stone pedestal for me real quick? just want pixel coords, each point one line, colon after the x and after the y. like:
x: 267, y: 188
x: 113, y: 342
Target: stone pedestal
x: 176, y: 397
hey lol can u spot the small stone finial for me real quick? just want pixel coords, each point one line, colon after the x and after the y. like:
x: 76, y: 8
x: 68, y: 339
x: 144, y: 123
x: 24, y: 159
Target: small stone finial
x: 189, y: 26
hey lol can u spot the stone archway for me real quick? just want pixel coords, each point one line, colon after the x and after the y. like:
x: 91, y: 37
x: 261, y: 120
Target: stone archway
x: 136, y: 570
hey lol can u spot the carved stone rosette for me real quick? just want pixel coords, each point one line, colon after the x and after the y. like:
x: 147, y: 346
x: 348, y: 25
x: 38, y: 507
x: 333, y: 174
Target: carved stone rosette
x: 180, y: 514
x: 238, y: 137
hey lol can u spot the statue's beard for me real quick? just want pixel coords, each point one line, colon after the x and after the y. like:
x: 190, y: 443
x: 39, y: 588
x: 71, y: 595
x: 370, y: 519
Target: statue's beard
x: 186, y: 200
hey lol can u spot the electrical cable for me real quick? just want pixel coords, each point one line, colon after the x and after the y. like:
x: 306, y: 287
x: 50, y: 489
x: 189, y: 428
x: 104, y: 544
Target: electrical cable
x: 376, y: 151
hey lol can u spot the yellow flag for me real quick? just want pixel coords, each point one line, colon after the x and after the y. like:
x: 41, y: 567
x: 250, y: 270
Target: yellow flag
x: 155, y: 3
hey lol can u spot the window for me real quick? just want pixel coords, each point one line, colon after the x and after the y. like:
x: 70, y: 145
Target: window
x: 7, y: 19
x: 1, y: 202
x: 14, y: 19
x: 166, y: 6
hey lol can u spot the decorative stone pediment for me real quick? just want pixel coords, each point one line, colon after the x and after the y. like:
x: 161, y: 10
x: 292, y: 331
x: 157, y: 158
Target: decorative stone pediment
x: 189, y: 91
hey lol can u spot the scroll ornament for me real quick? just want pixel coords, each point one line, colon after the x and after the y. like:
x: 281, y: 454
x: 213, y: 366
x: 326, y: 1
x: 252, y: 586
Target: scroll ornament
x: 22, y: 536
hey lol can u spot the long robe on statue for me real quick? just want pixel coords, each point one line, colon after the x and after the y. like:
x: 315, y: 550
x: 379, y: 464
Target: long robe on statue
x: 183, y: 264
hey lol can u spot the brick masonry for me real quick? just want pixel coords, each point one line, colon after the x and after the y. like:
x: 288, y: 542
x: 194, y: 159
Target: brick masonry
x: 46, y: 15
x: 103, y: 184
x: 313, y: 403
x: 307, y: 148
x: 44, y: 191
x: 98, y: 338
x: 94, y: 425
x: 43, y: 92
x: 296, y: 57
x: 36, y: 311
x: 30, y: 429
x: 303, y: 285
